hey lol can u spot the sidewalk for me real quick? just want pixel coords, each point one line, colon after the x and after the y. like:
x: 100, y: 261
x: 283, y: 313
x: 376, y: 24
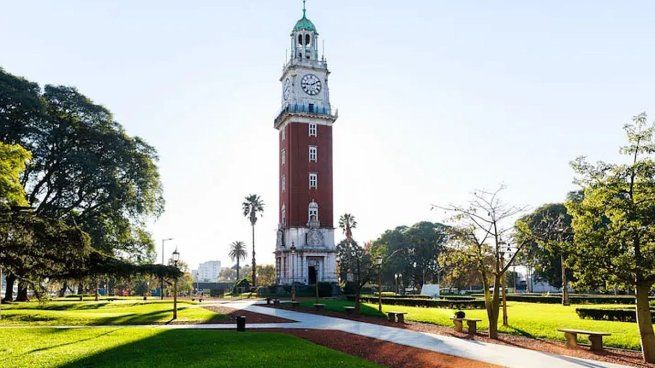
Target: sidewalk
x: 502, y: 355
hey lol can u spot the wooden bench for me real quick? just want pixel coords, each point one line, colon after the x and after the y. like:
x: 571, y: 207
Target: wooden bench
x: 276, y: 301
x: 471, y: 325
x: 349, y: 310
x: 396, y: 317
x: 319, y: 307
x: 596, y: 338
x: 295, y: 304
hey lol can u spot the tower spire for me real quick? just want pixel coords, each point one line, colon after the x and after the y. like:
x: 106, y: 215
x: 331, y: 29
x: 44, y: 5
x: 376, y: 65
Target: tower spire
x: 304, y: 9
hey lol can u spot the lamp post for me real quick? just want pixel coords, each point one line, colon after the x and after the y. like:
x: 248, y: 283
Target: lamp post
x: 293, y: 271
x: 396, y: 277
x: 176, y: 259
x: 378, y: 261
x: 161, y: 291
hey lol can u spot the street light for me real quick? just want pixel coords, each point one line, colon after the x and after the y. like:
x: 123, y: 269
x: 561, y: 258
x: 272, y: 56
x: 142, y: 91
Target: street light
x: 293, y: 275
x: 378, y: 261
x: 161, y: 291
x: 176, y: 259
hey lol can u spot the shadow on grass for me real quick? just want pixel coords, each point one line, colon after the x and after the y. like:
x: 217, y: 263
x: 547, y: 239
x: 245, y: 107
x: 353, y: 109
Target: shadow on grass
x: 210, y: 348
x: 520, y: 332
x: 68, y: 343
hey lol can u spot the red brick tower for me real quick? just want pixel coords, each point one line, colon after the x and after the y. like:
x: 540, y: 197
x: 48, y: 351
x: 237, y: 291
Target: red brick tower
x: 305, y: 250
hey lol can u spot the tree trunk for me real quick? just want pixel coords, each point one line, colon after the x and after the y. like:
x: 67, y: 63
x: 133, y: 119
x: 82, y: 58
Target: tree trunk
x: 9, y: 291
x: 97, y: 286
x: 237, y: 270
x: 254, y: 263
x: 645, y: 323
x: 565, y: 284
x: 21, y: 296
x: 493, y: 306
x: 357, y: 299
x: 62, y: 291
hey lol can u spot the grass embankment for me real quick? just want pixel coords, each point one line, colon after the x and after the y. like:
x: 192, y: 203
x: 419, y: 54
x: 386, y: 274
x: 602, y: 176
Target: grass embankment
x: 119, y: 312
x: 536, y: 320
x: 137, y: 347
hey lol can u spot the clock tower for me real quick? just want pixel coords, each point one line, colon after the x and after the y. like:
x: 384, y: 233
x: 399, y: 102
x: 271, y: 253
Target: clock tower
x: 305, y: 250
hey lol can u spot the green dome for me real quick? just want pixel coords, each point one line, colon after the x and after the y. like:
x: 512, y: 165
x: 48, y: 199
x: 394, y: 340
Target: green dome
x: 304, y: 24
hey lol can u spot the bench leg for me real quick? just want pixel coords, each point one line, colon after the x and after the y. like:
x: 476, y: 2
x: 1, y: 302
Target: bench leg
x: 458, y: 326
x: 571, y: 340
x: 472, y: 327
x: 401, y: 318
x: 391, y: 317
x: 596, y: 342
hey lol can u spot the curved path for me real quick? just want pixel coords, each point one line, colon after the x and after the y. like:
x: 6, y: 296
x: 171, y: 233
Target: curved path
x: 503, y: 355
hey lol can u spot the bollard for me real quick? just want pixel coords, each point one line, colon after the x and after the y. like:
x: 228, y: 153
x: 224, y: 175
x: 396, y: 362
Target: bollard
x: 241, y: 323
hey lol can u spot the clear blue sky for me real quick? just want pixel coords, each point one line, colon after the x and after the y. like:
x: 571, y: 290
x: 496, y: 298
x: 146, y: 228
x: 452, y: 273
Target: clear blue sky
x: 436, y: 98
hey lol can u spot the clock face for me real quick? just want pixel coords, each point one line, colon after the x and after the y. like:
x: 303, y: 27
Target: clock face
x: 311, y: 84
x: 286, y: 89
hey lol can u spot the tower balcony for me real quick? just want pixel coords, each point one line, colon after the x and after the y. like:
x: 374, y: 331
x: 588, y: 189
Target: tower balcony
x: 308, y: 110
x: 313, y: 63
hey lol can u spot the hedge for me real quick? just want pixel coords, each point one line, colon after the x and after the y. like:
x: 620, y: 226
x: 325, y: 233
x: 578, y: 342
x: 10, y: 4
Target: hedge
x: 422, y: 302
x: 574, y: 299
x: 607, y: 314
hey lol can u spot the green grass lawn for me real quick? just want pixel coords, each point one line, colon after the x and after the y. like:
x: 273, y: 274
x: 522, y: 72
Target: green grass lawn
x: 526, y: 319
x: 154, y: 347
x: 119, y: 312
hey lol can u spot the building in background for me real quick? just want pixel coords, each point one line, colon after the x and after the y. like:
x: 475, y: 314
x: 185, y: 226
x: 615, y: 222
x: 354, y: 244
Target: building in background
x: 305, y: 251
x: 208, y: 271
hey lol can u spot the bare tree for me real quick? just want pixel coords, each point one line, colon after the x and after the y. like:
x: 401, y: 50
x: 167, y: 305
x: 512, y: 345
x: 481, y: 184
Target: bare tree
x: 485, y: 225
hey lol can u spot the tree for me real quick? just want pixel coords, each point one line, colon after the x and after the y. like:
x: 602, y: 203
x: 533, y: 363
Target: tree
x: 614, y: 224
x: 227, y: 274
x: 266, y: 274
x: 482, y: 225
x: 347, y: 222
x: 13, y: 159
x: 548, y: 234
x: 237, y: 253
x: 459, y: 268
x: 253, y: 207
x: 356, y: 266
x: 412, y: 251
x: 86, y: 170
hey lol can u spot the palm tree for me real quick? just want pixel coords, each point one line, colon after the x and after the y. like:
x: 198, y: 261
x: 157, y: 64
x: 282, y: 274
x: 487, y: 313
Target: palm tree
x: 347, y: 222
x: 237, y: 253
x: 253, y: 206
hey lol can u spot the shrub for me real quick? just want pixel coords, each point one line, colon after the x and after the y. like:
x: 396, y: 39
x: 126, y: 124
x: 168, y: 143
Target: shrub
x: 422, y: 302
x: 610, y: 314
x: 216, y: 293
x: 574, y: 299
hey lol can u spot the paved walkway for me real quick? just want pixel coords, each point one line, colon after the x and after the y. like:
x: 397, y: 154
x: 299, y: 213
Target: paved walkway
x: 502, y: 355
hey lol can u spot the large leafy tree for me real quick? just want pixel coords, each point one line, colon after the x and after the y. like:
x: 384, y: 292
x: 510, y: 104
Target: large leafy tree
x: 253, y: 207
x: 548, y: 236
x: 614, y: 224
x: 237, y: 253
x: 412, y: 251
x: 86, y: 170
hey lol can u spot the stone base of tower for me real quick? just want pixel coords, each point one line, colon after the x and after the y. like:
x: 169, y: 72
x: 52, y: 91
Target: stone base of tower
x: 306, y: 263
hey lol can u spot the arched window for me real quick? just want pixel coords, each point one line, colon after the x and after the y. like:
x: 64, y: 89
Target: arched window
x: 308, y: 39
x: 300, y: 39
x: 313, y: 211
